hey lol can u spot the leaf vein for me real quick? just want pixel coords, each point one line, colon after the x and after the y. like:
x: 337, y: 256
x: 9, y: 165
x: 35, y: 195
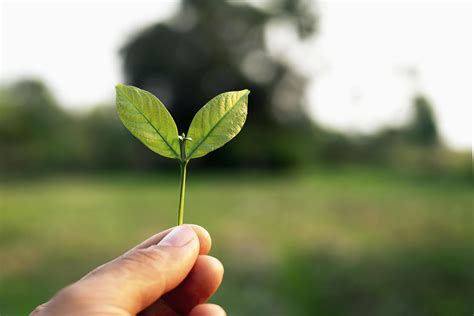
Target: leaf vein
x: 149, y: 122
x: 215, y: 125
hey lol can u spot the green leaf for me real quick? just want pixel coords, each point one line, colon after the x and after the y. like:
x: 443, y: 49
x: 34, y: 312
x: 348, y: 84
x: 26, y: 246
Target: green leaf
x: 148, y: 120
x: 216, y: 123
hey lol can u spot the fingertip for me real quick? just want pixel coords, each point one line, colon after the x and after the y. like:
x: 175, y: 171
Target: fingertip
x: 179, y: 237
x: 207, y: 310
x: 203, y: 235
x: 213, y: 267
x: 204, y: 238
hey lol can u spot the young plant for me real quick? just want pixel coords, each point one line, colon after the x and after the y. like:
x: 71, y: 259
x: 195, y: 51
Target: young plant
x: 216, y: 123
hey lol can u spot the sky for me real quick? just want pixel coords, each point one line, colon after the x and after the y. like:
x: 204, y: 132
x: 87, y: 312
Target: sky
x: 358, y: 64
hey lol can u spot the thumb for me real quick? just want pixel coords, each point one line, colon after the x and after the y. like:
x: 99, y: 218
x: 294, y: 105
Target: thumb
x: 137, y: 279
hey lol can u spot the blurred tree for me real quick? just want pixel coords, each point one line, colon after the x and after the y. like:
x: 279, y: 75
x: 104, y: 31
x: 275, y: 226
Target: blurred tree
x: 28, y: 111
x: 107, y: 145
x: 212, y: 46
x: 33, y: 128
x: 422, y: 129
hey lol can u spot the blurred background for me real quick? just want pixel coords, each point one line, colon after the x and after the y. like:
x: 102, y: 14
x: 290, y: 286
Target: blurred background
x: 348, y: 191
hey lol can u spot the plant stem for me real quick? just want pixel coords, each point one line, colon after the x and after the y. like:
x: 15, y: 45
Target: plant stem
x: 182, y: 167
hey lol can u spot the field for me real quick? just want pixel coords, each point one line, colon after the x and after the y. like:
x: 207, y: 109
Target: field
x: 319, y: 242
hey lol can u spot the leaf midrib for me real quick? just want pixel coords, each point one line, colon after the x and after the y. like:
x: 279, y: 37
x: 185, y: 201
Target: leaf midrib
x: 166, y: 142
x: 212, y: 129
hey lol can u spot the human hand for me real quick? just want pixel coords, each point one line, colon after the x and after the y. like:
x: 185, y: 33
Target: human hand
x: 169, y: 274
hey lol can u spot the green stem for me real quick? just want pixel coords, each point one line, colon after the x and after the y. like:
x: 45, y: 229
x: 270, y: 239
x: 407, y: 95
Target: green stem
x: 182, y: 167
x: 183, y: 163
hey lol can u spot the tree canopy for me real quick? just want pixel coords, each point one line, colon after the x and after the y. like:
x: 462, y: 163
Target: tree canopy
x: 212, y: 46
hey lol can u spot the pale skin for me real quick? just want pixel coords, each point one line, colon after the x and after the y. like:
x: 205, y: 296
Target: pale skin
x: 169, y: 274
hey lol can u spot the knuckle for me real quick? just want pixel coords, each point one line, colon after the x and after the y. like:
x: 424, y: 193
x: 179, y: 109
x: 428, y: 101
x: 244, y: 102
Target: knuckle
x: 71, y: 293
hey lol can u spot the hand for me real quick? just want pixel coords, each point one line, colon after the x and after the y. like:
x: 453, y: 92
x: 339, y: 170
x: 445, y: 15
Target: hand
x: 167, y: 275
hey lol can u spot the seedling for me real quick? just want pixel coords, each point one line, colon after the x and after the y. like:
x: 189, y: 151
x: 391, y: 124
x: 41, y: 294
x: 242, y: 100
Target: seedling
x: 216, y: 123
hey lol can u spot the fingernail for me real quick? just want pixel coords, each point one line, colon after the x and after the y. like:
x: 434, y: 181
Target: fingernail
x: 178, y: 237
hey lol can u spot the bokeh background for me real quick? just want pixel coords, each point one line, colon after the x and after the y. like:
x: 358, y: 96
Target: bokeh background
x: 348, y: 192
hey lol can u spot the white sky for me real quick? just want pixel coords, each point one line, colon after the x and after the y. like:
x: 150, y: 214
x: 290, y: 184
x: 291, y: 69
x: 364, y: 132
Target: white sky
x: 357, y: 62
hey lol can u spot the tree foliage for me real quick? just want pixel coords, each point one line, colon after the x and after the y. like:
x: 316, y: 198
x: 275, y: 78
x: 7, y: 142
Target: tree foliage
x: 422, y: 128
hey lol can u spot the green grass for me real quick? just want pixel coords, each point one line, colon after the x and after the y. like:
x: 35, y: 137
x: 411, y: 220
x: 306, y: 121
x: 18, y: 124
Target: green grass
x: 339, y: 242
